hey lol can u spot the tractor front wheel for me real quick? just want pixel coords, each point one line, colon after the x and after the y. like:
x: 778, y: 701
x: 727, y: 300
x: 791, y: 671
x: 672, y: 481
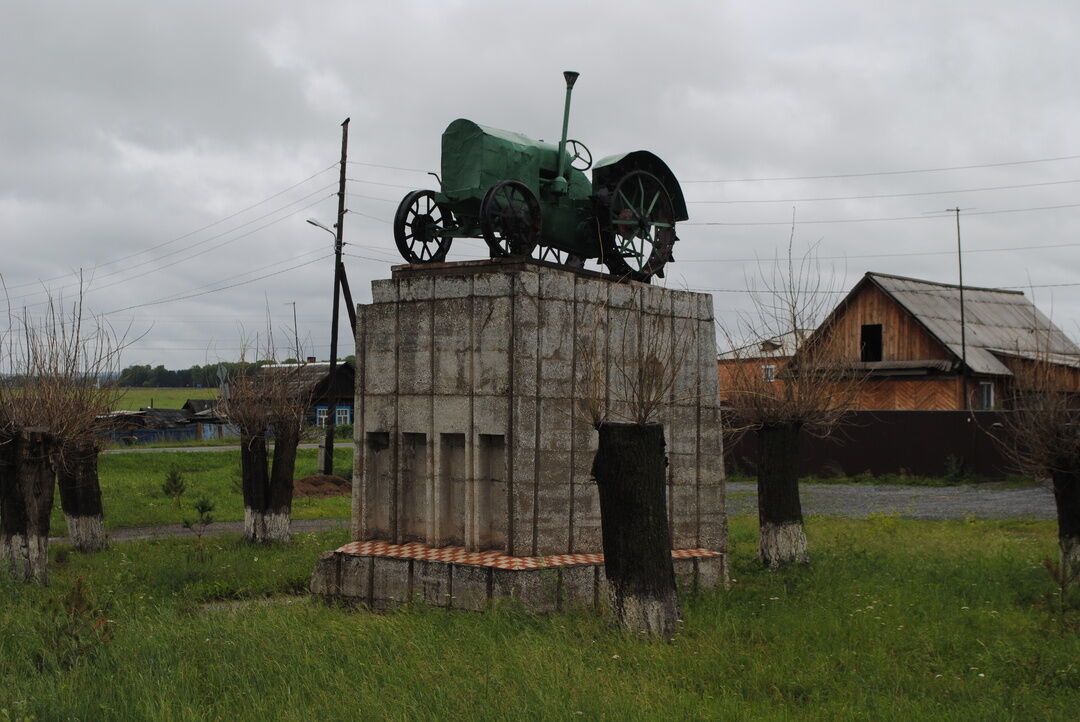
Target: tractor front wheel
x: 421, y: 228
x: 639, y: 227
x: 510, y: 219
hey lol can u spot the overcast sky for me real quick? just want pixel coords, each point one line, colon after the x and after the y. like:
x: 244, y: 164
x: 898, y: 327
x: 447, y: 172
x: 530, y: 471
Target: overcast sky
x: 172, y: 149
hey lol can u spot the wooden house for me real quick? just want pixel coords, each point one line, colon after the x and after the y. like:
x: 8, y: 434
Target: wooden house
x: 766, y: 358
x: 920, y: 351
x: 313, y: 380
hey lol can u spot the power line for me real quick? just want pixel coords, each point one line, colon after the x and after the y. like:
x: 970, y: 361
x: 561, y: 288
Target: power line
x: 256, y: 270
x: 846, y: 291
x: 924, y: 216
x: 889, y: 195
x: 368, y: 215
x: 372, y: 258
x: 388, y: 167
x: 217, y: 290
x: 376, y: 183
x: 204, y: 251
x: 888, y: 255
x: 189, y: 233
x: 888, y: 172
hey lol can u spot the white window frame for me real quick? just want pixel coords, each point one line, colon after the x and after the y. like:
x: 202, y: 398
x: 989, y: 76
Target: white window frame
x: 342, y: 415
x: 768, y: 373
x: 321, y: 414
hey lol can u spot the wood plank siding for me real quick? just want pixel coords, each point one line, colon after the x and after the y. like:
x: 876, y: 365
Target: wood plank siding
x: 908, y: 338
x: 902, y: 337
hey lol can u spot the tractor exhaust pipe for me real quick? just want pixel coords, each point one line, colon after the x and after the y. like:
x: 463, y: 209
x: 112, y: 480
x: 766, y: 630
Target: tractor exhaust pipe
x: 571, y: 78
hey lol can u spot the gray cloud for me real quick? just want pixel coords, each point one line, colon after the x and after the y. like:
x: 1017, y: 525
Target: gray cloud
x: 129, y: 125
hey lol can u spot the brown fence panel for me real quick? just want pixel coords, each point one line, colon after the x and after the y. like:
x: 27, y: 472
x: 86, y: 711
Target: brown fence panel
x: 923, y: 443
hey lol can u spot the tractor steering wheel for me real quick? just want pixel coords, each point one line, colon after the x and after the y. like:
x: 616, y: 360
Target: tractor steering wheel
x: 578, y: 151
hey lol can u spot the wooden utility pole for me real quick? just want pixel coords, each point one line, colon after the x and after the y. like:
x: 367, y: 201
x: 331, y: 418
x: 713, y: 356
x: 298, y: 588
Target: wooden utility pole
x: 963, y: 326
x: 328, y: 445
x: 296, y: 332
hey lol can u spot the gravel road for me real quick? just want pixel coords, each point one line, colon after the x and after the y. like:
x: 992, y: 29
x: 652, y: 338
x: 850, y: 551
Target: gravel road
x: 980, y: 501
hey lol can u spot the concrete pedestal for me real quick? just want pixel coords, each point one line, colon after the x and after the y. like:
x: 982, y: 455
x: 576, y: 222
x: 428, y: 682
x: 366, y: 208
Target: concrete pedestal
x: 470, y: 437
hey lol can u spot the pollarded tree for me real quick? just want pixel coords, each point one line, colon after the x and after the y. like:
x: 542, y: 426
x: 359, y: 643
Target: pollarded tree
x: 266, y: 401
x: 778, y: 403
x: 50, y: 401
x: 628, y: 381
x: 1042, y: 434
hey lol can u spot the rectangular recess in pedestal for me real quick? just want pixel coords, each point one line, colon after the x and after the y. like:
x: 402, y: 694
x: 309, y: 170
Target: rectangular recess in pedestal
x: 491, y: 510
x: 380, y: 478
x: 452, y: 474
x: 413, y: 512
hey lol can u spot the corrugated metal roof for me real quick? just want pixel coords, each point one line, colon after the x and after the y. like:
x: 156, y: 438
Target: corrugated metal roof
x: 780, y: 346
x: 994, y: 320
x: 305, y: 378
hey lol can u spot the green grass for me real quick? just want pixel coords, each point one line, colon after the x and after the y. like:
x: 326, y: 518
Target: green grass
x: 894, y: 620
x: 174, y: 444
x: 131, y: 487
x: 135, y: 398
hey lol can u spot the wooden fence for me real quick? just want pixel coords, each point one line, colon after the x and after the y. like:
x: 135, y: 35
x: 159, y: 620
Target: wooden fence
x: 924, y: 443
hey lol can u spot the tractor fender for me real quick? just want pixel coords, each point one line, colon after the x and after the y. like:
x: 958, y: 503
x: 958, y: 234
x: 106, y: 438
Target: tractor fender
x: 607, y: 171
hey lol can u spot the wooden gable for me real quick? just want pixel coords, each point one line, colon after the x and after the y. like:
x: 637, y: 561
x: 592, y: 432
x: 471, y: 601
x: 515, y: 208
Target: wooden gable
x: 903, y: 338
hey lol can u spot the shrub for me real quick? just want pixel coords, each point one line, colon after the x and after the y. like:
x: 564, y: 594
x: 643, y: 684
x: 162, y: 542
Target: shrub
x: 174, y: 485
x: 72, y: 629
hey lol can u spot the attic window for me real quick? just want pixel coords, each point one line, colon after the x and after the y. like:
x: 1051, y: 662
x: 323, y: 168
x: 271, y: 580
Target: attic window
x: 870, y: 342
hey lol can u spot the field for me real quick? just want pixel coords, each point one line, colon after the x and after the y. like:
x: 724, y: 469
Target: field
x: 133, y: 399
x: 131, y: 487
x: 894, y: 619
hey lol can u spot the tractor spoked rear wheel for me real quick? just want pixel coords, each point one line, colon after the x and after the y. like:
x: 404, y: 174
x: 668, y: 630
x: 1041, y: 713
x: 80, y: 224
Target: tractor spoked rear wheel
x: 510, y: 219
x: 639, y: 227
x: 420, y: 228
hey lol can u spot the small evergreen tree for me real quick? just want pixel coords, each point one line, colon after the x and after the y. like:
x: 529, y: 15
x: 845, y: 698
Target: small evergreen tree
x: 174, y: 485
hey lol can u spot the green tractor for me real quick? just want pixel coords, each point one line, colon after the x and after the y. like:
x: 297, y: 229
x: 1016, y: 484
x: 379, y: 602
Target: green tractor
x: 530, y: 198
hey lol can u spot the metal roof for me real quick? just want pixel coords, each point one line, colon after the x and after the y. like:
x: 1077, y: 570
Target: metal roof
x: 995, y: 320
x: 780, y: 346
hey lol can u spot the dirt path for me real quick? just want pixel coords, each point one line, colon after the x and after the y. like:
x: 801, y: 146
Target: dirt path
x: 979, y: 501
x: 299, y: 526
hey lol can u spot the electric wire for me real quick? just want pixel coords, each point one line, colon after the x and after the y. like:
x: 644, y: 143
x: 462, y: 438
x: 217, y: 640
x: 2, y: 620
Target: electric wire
x: 95, y: 289
x: 890, y: 255
x: 889, y: 172
x: 217, y: 290
x: 888, y: 195
x: 255, y: 270
x: 377, y: 183
x: 185, y: 235
x: 388, y: 167
x: 924, y: 216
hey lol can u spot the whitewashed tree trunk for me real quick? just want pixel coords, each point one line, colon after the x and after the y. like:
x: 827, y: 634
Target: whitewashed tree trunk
x: 27, y: 483
x: 1067, y: 499
x: 265, y: 527
x: 629, y: 468
x: 1070, y: 557
x: 87, y: 533
x: 783, y: 544
x: 268, y: 493
x: 80, y: 498
x: 783, y: 539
